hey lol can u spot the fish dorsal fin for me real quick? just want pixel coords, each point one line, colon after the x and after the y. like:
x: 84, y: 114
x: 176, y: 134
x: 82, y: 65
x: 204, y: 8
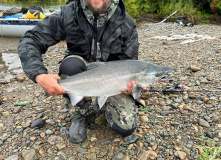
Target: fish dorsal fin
x: 74, y: 99
x: 136, y: 92
x: 94, y: 65
x: 101, y: 101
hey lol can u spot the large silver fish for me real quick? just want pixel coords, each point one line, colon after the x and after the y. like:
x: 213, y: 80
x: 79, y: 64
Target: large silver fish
x: 105, y: 79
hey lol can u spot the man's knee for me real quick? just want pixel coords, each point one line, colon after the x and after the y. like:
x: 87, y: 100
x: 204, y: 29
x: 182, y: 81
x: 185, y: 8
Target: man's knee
x: 72, y: 65
x: 124, y: 131
x: 121, y: 114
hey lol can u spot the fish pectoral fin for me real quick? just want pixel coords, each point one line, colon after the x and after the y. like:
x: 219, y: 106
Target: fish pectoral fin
x: 94, y: 65
x: 63, y: 76
x: 101, y: 101
x: 136, y: 92
x: 74, y: 99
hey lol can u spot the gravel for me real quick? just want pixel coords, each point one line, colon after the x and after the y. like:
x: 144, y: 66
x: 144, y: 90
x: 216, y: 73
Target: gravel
x: 168, y: 126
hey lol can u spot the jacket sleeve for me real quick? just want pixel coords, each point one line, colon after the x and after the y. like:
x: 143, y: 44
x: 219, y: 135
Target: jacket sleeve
x: 130, y: 44
x: 35, y: 42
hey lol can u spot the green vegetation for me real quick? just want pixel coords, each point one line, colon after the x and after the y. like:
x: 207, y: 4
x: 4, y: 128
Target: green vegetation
x: 210, y: 150
x: 53, y: 4
x: 190, y: 10
x: 193, y: 10
x: 142, y: 109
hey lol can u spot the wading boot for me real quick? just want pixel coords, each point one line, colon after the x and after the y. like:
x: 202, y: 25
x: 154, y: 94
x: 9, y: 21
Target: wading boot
x: 78, y: 129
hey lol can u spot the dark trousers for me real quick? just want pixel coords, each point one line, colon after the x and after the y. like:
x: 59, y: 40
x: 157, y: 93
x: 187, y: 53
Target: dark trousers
x: 71, y: 66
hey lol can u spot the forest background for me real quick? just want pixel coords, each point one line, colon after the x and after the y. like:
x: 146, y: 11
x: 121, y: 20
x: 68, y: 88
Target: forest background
x: 194, y: 11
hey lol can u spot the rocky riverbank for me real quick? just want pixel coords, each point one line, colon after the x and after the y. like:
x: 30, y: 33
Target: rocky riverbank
x: 171, y: 126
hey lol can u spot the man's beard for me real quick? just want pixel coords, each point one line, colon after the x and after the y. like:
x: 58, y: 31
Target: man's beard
x: 98, y: 11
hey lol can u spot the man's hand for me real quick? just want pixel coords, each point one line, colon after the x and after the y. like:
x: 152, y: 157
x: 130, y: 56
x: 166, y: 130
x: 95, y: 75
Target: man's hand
x: 49, y: 82
x: 129, y: 90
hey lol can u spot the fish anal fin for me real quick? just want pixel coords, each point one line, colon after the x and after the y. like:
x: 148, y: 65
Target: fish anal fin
x: 136, y: 92
x: 74, y: 99
x: 101, y: 101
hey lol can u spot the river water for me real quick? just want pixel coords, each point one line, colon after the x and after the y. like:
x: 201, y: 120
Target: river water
x: 45, y: 4
x: 8, y: 46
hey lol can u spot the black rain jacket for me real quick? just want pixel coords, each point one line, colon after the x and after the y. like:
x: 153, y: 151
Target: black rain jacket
x: 119, y: 40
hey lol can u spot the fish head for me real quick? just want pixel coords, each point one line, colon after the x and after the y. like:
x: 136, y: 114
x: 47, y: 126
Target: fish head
x: 161, y: 71
x: 153, y: 73
x: 156, y: 70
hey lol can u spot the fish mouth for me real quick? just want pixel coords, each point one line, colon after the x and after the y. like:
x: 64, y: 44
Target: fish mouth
x: 165, y: 78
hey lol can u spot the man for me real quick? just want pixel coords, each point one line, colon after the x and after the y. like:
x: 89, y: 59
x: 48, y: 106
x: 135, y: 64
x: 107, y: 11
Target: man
x: 94, y: 30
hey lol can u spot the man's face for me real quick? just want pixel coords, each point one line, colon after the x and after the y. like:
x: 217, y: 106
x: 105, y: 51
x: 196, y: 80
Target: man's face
x: 97, y: 6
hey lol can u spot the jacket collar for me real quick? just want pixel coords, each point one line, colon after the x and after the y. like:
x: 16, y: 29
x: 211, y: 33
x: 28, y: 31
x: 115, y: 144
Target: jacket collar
x: 113, y: 23
x: 102, y: 18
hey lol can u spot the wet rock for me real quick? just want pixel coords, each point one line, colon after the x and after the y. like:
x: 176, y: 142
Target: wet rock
x: 154, y: 147
x: 180, y: 154
x: 209, y: 134
x: 62, y: 154
x: 5, y: 114
x: 200, y: 150
x: 40, y: 115
x: 164, y: 113
x: 140, y: 144
x: 28, y: 154
x: 93, y: 139
x: 33, y: 138
x: 144, y: 119
x: 60, y: 146
x: 55, y: 140
x: 118, y: 156
x: 152, y: 154
x: 17, y: 109
x: 41, y: 151
x: 13, y: 157
x: 42, y: 135
x: 142, y: 102
x: 49, y: 121
x: 20, y: 77
x: 49, y: 132
x: 183, y: 78
x: 64, y: 131
x: 147, y: 155
x: 81, y: 150
x: 25, y: 125
x: 217, y: 119
x: 50, y: 151
x: 203, y: 80
x: 204, y: 123
x: 37, y: 145
x: 195, y: 69
x: 2, y: 157
x: 1, y: 100
x: 92, y: 155
x: 126, y: 158
x: 38, y: 123
x: 131, y: 138
x: 145, y: 95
